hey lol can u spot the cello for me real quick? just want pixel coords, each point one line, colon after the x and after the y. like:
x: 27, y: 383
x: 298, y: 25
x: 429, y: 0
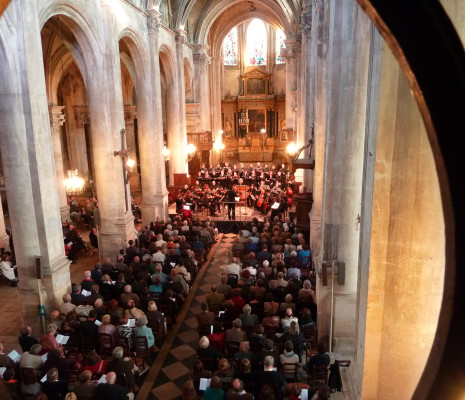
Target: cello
x: 289, y: 194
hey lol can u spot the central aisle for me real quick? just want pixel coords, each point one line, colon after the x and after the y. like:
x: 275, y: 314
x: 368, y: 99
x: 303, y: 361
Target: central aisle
x: 173, y: 365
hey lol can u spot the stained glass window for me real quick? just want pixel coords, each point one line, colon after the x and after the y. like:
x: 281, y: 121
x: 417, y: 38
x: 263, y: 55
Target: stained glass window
x: 230, y: 48
x: 256, y: 43
x: 280, y: 38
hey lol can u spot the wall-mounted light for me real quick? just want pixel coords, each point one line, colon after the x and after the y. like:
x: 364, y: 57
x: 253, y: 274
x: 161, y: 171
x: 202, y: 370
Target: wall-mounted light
x: 292, y: 149
x: 166, y: 153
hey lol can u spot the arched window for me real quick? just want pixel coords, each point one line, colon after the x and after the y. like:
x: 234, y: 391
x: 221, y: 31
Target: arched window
x: 256, y: 43
x: 280, y: 45
x: 230, y: 48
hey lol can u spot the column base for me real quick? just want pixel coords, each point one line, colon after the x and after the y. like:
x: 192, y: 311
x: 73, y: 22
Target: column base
x: 158, y: 207
x: 114, y: 235
x: 56, y: 279
x: 47, y: 291
x: 64, y: 212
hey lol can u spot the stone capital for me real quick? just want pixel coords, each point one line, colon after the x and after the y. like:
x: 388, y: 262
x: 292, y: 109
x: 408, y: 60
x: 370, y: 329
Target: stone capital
x: 153, y: 22
x: 82, y: 116
x: 57, y: 118
x: 290, y: 52
x: 181, y: 35
x: 201, y: 56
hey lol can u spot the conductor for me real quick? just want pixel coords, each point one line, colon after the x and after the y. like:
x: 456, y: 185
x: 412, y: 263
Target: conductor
x: 231, y: 195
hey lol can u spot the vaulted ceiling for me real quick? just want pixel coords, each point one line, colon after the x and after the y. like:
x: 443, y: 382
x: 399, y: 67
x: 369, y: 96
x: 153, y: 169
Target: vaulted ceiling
x: 208, y: 21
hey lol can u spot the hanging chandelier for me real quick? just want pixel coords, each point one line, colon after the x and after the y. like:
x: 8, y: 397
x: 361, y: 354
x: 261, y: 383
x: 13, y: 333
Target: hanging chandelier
x: 74, y: 184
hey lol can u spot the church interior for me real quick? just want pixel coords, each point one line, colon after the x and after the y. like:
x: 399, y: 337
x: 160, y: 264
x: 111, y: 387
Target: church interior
x: 340, y: 118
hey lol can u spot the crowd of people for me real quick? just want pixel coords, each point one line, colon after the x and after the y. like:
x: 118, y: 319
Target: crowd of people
x: 115, y: 304
x: 251, y: 324
x: 260, y: 317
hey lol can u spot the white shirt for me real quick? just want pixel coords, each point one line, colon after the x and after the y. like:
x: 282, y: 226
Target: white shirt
x: 233, y: 269
x: 7, y: 270
x: 158, y: 256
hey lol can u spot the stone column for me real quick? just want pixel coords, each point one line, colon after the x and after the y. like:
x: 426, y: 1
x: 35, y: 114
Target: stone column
x: 57, y: 119
x: 178, y: 155
x: 348, y: 69
x: 201, y: 67
x: 78, y: 145
x: 107, y: 120
x: 306, y: 116
x: 30, y: 176
x: 290, y: 55
x: 216, y: 94
x: 150, y: 131
x: 130, y: 115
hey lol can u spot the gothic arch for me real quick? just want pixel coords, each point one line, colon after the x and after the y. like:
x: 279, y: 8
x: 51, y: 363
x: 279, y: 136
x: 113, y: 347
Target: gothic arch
x: 137, y: 51
x: 274, y: 15
x: 221, y: 34
x: 167, y: 64
x: 82, y: 30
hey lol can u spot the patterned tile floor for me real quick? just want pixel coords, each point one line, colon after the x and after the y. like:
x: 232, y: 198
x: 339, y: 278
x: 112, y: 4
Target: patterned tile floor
x: 173, y: 365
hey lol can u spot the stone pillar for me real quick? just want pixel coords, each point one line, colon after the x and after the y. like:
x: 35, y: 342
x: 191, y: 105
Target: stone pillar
x: 216, y: 94
x: 57, y: 119
x: 290, y: 55
x: 150, y: 131
x: 29, y: 169
x: 348, y: 69
x: 78, y: 145
x: 201, y: 67
x: 107, y: 120
x: 407, y: 246
x: 179, y: 157
x: 130, y: 115
x: 305, y: 110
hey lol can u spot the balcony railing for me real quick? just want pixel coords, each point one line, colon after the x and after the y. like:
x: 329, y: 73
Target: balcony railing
x: 201, y: 140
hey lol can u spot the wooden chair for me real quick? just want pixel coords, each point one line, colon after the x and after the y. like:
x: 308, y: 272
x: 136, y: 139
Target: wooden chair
x: 289, y: 372
x: 107, y: 344
x: 232, y: 348
x: 318, y: 373
x: 270, y: 330
x: 238, y: 254
x: 165, y: 308
x: 305, y: 266
x: 204, y: 329
x: 87, y: 343
x: 309, y: 333
x: 141, y: 347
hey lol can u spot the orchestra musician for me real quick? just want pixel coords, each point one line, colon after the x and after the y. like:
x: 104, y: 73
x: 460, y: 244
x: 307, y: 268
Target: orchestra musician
x: 251, y: 196
x: 281, y: 208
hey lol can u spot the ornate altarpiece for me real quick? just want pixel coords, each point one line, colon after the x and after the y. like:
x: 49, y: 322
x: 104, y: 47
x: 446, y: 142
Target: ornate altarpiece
x: 260, y: 109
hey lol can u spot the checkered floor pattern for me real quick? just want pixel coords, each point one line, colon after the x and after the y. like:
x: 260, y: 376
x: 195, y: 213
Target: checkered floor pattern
x: 173, y: 365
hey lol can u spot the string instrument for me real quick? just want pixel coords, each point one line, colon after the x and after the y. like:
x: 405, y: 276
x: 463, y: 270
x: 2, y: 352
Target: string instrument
x: 261, y: 200
x: 266, y: 205
x: 289, y: 194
